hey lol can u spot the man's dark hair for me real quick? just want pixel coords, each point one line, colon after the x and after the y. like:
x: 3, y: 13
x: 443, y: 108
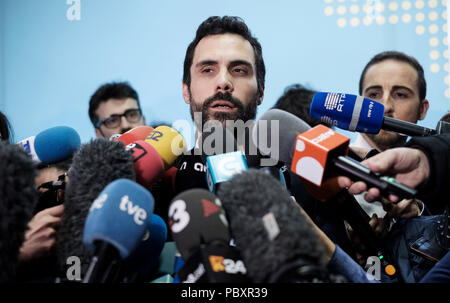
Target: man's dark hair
x: 5, y: 128
x: 399, y: 56
x: 446, y: 117
x: 61, y: 165
x: 222, y: 25
x: 296, y: 99
x: 115, y: 90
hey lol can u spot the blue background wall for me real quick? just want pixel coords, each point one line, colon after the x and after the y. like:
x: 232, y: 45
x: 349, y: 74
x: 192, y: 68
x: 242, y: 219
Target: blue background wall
x: 50, y: 66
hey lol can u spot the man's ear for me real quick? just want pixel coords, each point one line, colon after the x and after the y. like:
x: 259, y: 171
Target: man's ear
x: 261, y: 95
x: 98, y: 133
x: 423, y: 108
x: 186, y: 93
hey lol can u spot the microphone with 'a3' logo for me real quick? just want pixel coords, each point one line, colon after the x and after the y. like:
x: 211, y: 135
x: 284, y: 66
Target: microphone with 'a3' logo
x: 117, y: 221
x: 200, y: 229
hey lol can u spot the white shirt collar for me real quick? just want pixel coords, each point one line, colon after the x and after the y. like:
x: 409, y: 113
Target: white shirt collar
x: 361, y: 142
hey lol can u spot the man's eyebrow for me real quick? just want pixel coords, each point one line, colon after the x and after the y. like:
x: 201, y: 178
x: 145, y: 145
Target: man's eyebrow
x: 233, y: 63
x: 372, y: 87
x: 394, y: 87
x: 206, y: 62
x: 403, y: 87
x: 241, y: 62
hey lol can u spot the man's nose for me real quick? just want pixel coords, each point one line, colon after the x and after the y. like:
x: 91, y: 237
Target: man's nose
x: 388, y: 103
x: 224, y: 82
x: 124, y: 124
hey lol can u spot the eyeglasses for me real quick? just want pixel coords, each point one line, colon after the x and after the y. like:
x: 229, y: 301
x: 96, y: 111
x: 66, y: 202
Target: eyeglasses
x: 132, y: 115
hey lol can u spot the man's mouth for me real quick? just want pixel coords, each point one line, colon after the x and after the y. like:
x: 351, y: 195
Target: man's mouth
x: 222, y: 105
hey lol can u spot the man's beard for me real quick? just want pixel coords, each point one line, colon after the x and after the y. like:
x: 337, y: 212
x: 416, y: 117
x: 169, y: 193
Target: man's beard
x: 243, y: 113
x: 386, y: 140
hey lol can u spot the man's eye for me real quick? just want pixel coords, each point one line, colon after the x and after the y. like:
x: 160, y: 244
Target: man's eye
x: 112, y: 119
x: 240, y: 71
x: 372, y: 95
x: 207, y: 70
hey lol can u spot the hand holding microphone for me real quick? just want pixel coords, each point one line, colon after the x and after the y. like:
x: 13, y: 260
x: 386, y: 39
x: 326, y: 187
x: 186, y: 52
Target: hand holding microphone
x: 408, y: 165
x: 40, y: 236
x: 314, y: 153
x: 321, y: 146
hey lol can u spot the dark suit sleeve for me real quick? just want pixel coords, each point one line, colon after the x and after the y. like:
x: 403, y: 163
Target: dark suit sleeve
x: 435, y: 192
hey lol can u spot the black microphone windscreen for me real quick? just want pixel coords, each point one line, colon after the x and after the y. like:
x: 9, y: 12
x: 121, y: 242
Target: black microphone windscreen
x: 18, y: 197
x: 94, y: 166
x: 196, y: 217
x: 268, y: 228
x: 275, y: 134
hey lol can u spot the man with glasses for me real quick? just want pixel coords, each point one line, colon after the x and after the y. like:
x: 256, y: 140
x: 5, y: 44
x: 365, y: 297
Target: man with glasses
x: 114, y: 109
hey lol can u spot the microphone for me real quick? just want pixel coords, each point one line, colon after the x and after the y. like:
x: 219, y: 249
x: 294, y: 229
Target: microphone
x: 148, y: 164
x: 94, y: 166
x: 117, y: 221
x: 275, y: 132
x: 221, y: 155
x: 321, y: 148
x: 168, y: 143
x: 220, y: 168
x: 52, y: 145
x: 133, y: 135
x: 357, y: 113
x: 273, y: 236
x: 140, y: 263
x: 200, y: 231
x: 345, y: 204
x: 18, y: 197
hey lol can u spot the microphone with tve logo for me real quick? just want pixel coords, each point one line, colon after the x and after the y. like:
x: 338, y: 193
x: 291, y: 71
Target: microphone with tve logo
x: 357, y: 113
x: 116, y: 223
x: 94, y: 165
